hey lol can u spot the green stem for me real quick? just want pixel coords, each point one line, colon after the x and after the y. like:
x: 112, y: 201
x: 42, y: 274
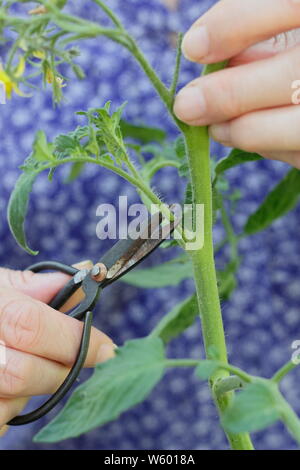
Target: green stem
x: 197, y: 143
x: 138, y: 182
x: 110, y: 14
x: 161, y: 89
x: 289, y: 417
x: 240, y: 374
x: 283, y: 371
x: 177, y: 68
x: 160, y: 165
x: 182, y: 362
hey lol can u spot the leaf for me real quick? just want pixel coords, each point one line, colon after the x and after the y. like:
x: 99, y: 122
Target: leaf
x: 42, y: 151
x: 108, y: 129
x: 68, y: 145
x: 179, y: 147
x: 278, y: 202
x: 236, y: 157
x: 142, y: 133
x: 80, y: 132
x: 79, y: 72
x: 166, y: 274
x: 172, y: 273
x: 252, y: 409
x: 207, y: 368
x: 181, y: 317
x: 17, y: 208
x: 75, y: 171
x: 65, y: 145
x: 115, y: 386
x: 93, y: 145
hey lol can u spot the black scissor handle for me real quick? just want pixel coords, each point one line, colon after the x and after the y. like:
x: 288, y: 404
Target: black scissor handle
x: 54, y: 265
x: 68, y: 382
x: 78, y: 364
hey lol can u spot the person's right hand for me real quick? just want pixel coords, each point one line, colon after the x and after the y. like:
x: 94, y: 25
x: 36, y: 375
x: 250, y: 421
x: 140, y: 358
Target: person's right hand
x: 40, y: 343
x: 253, y: 104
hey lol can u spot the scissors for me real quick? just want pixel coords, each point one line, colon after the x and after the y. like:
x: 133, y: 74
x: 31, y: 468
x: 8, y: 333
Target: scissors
x: 121, y: 258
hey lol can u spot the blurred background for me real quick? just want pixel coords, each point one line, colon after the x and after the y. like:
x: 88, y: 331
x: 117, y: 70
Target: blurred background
x: 262, y: 317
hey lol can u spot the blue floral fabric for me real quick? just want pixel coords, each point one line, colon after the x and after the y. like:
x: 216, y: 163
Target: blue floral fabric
x: 262, y: 318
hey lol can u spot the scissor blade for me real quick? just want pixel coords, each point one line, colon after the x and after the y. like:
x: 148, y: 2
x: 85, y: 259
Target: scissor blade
x: 126, y: 254
x: 117, y: 252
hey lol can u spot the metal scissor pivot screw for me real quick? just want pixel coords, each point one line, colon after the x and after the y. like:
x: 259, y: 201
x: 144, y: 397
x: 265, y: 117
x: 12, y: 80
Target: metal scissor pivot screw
x: 99, y: 272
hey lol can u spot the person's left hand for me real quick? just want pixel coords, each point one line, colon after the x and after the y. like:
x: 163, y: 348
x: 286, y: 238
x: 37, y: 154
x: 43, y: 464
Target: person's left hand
x: 252, y: 104
x: 38, y: 345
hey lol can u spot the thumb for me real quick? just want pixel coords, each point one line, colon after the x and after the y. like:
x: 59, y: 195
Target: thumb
x: 40, y: 286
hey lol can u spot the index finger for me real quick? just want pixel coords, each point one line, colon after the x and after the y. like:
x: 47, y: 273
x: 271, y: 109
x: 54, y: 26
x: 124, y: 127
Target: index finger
x: 233, y: 25
x: 33, y: 327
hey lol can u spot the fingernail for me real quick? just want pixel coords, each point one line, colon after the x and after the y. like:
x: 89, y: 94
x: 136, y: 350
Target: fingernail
x: 190, y: 104
x: 195, y: 44
x: 105, y: 352
x: 220, y: 133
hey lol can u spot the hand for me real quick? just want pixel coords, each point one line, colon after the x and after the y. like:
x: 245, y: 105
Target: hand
x: 252, y: 104
x: 41, y: 344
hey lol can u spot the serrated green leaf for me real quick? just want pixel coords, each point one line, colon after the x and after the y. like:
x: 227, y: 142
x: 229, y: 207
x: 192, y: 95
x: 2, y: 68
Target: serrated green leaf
x: 207, y: 368
x: 108, y: 130
x: 80, y: 132
x: 236, y: 157
x: 181, y: 317
x: 17, y: 208
x: 253, y: 408
x: 65, y: 144
x: 115, y: 386
x: 92, y: 145
x: 278, y: 202
x: 165, y: 274
x: 142, y: 133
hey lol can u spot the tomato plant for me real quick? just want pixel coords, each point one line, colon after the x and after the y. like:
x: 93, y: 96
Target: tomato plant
x: 43, y: 41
